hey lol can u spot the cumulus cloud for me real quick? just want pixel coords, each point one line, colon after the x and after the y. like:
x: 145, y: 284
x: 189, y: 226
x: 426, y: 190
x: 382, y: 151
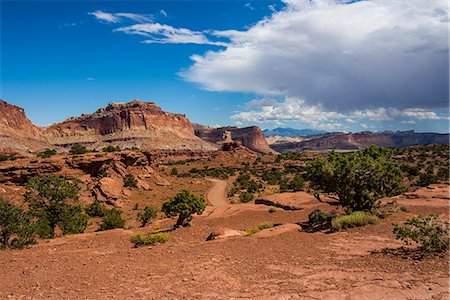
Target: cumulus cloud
x: 292, y: 109
x: 117, y: 17
x: 342, y: 55
x: 166, y: 34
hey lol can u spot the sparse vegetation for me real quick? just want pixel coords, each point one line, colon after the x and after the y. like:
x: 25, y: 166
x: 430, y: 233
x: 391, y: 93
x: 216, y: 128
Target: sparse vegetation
x: 78, y: 149
x: 16, y: 227
x: 142, y: 239
x: 47, y: 153
x: 245, y: 197
x: 96, y: 209
x: 174, y: 171
x: 53, y: 200
x: 428, y: 232
x: 318, y: 218
x: 272, y: 209
x: 6, y: 156
x: 147, y: 215
x: 184, y: 204
x: 357, y: 178
x: 257, y: 228
x: 111, y: 148
x: 112, y: 219
x: 129, y: 181
x: 355, y: 219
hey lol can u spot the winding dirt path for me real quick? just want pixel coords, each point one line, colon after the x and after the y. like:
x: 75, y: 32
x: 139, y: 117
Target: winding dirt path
x: 217, y: 195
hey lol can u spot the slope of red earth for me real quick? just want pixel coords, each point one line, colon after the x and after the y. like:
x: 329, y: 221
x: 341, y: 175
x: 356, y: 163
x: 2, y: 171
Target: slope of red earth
x: 288, y: 265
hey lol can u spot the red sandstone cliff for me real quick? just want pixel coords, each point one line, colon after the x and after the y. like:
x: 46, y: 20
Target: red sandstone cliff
x: 250, y: 137
x: 136, y: 123
x: 17, y: 133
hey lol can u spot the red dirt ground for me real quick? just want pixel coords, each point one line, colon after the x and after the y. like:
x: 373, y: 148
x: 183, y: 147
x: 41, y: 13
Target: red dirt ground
x: 287, y: 265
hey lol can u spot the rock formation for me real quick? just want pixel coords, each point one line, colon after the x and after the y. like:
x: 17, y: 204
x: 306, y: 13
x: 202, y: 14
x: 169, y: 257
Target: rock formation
x: 250, y: 137
x: 17, y: 133
x: 136, y: 123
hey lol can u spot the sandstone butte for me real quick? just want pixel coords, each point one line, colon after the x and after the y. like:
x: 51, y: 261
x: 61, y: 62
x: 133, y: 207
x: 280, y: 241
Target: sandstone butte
x: 134, y: 124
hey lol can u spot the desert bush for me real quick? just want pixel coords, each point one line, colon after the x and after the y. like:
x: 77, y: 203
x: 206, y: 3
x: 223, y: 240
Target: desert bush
x: 5, y: 156
x: 47, y: 153
x: 245, y: 197
x: 257, y: 228
x: 320, y: 218
x: 358, y: 178
x: 112, y: 219
x: 147, y: 215
x: 53, y: 199
x: 16, y: 227
x: 111, y: 148
x: 73, y: 220
x: 428, y: 232
x: 425, y: 179
x: 130, y: 181
x: 78, y: 149
x: 295, y: 185
x: 174, y: 172
x: 184, y: 204
x: 96, y: 209
x: 142, y: 239
x: 355, y: 219
x: 272, y: 209
x: 403, y: 208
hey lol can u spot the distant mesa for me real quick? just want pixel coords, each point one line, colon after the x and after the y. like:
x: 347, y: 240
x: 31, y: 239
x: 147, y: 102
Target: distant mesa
x: 134, y: 124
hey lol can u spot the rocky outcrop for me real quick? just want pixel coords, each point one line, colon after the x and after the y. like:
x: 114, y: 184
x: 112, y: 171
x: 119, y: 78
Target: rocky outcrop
x: 250, y: 137
x: 133, y: 124
x: 17, y: 133
x: 354, y: 141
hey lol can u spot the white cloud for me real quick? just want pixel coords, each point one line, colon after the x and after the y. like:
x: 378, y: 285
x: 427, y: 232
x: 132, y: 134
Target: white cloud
x: 163, y: 13
x: 345, y: 56
x: 116, y: 17
x: 165, y: 34
x: 249, y: 6
x: 292, y: 109
x: 89, y: 78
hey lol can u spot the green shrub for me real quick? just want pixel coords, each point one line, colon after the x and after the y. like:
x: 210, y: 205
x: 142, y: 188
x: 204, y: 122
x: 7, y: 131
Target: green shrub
x: 142, y: 239
x: 96, y: 209
x: 184, y: 204
x: 78, y: 149
x: 130, y: 181
x: 425, y: 179
x: 111, y: 149
x: 297, y: 183
x: 245, y: 197
x: 47, y: 153
x: 53, y: 199
x: 257, y: 228
x: 403, y: 208
x: 355, y: 219
x: 320, y: 218
x: 73, y: 221
x: 428, y: 232
x: 16, y: 228
x: 272, y: 209
x: 112, y: 219
x: 5, y: 157
x: 174, y: 171
x: 358, y: 178
x: 147, y: 215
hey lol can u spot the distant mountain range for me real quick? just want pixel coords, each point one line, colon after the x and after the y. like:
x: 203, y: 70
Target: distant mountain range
x: 292, y: 132
x: 354, y: 141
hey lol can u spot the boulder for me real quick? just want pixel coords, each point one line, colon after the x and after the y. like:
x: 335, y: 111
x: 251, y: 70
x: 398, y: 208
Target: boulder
x: 110, y: 188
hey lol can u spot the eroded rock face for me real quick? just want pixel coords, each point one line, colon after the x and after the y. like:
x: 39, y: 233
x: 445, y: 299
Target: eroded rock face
x: 136, y: 123
x: 17, y: 133
x: 250, y: 137
x: 110, y: 188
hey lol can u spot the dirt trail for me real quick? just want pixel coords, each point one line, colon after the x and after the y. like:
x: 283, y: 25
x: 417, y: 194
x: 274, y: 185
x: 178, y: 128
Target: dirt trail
x: 217, y: 195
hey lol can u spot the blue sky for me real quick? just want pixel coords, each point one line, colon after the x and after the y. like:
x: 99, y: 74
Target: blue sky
x: 268, y: 63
